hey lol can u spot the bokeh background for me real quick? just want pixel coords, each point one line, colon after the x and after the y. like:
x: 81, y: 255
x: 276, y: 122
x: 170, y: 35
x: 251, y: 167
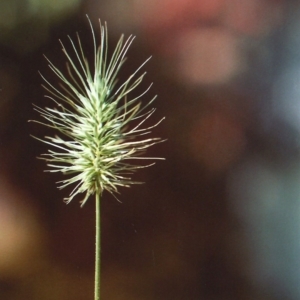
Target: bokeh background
x: 220, y: 218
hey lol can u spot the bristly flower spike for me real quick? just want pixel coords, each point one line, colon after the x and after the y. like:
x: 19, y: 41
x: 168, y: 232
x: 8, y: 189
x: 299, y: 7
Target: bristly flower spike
x: 97, y: 142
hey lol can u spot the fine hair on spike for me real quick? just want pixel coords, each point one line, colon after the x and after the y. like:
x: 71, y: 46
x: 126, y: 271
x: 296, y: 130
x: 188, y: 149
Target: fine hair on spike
x: 100, y: 128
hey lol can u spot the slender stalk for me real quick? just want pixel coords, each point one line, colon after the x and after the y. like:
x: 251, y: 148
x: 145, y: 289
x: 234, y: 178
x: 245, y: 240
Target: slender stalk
x: 97, y: 248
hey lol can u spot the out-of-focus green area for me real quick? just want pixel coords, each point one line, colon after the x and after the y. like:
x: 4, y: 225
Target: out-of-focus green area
x: 25, y: 25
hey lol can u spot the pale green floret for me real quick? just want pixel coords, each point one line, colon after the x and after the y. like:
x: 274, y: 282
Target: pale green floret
x: 93, y: 118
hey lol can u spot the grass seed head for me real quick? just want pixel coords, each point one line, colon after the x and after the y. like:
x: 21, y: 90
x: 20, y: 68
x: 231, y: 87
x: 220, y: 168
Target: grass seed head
x: 96, y: 143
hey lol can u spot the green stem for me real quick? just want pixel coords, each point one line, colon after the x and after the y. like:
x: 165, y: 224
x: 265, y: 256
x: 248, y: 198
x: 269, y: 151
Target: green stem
x: 97, y: 248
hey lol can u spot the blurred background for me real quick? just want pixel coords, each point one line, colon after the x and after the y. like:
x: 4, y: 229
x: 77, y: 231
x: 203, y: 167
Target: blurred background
x: 220, y: 218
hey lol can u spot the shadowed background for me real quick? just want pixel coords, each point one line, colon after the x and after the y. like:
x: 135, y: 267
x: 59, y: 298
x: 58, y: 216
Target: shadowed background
x: 220, y: 218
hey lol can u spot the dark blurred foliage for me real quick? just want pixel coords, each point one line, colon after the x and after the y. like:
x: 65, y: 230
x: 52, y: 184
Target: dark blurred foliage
x: 192, y: 231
